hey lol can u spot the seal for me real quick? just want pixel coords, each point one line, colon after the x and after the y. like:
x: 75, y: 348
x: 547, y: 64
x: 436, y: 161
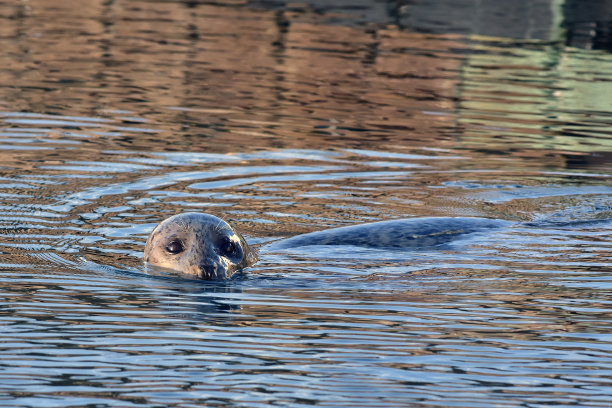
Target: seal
x: 402, y: 233
x: 199, y: 245
x: 206, y: 247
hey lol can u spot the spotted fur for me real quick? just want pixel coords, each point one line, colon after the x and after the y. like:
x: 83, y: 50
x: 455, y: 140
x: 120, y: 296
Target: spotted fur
x: 204, y: 237
x: 402, y: 233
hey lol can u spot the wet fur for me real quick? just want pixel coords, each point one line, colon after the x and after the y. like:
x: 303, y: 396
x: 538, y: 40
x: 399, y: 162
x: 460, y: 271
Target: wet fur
x: 201, y: 234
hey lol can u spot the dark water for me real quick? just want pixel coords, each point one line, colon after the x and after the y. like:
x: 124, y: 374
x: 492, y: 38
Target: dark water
x: 291, y: 118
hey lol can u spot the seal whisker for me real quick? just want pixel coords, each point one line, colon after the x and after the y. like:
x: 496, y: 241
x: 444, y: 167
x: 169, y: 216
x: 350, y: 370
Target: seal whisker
x: 219, y: 226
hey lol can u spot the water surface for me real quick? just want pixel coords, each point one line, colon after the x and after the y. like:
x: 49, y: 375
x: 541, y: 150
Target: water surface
x: 286, y: 119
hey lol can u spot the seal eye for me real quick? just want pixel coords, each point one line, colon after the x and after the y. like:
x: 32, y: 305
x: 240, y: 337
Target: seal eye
x: 228, y: 247
x: 175, y: 247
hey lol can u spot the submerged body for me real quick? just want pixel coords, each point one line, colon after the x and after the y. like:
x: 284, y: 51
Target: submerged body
x: 402, y: 233
x: 206, y: 247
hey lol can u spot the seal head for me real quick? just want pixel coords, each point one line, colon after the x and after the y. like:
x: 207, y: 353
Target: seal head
x: 198, y: 244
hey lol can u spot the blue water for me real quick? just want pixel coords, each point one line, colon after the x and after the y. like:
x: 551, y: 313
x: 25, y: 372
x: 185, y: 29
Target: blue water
x: 288, y: 119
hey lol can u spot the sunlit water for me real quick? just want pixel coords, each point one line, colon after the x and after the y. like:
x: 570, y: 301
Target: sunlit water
x: 290, y: 120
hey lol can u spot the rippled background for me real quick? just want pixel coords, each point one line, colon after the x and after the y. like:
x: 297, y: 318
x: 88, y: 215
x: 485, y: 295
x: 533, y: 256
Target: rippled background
x: 286, y: 118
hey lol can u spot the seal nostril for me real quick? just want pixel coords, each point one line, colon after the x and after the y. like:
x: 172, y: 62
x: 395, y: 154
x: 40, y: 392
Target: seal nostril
x: 207, y: 271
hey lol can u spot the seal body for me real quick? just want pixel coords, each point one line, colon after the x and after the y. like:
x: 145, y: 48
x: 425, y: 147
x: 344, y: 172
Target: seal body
x: 207, y: 247
x: 199, y: 245
x: 402, y: 233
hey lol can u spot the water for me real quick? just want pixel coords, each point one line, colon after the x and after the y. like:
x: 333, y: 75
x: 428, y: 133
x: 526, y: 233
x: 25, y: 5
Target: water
x: 286, y: 119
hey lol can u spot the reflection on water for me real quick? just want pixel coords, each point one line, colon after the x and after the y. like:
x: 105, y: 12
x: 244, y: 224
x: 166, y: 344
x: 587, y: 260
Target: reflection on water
x: 291, y: 118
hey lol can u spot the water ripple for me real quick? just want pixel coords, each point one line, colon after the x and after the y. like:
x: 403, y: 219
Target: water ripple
x: 286, y: 119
